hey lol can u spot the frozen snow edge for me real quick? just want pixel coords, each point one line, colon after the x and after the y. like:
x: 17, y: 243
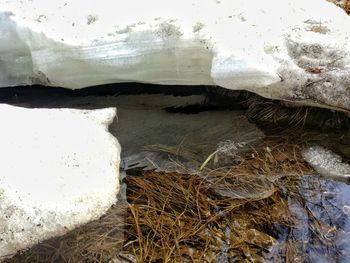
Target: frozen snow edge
x: 293, y: 50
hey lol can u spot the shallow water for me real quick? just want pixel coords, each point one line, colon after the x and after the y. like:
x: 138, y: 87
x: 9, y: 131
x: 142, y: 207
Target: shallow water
x: 312, y: 213
x: 322, y: 233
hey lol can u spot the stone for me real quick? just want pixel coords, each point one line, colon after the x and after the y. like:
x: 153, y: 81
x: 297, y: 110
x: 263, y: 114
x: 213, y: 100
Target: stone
x: 59, y: 169
x: 293, y: 50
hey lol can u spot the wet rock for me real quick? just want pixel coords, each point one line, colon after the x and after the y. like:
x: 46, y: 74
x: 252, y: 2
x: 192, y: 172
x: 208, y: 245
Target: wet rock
x: 59, y: 169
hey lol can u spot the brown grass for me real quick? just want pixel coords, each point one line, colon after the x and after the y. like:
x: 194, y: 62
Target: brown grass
x: 187, y: 218
x: 276, y: 114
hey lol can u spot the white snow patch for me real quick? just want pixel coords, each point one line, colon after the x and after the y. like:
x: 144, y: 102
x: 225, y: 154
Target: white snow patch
x: 59, y: 169
x: 293, y: 50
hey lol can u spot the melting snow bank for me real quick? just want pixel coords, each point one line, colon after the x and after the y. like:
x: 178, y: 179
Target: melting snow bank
x: 59, y: 169
x: 293, y: 50
x: 327, y: 163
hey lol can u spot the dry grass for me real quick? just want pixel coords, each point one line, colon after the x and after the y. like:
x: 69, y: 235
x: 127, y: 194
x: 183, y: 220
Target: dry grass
x: 274, y: 112
x: 182, y: 218
x: 277, y: 114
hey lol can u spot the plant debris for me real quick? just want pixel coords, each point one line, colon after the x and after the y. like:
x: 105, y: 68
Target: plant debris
x: 267, y: 207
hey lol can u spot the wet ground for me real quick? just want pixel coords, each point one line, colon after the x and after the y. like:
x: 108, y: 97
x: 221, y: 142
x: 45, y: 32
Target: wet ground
x: 207, y: 182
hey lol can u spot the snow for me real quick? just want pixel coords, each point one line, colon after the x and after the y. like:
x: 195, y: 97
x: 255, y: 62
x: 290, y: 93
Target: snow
x: 293, y: 50
x: 327, y: 163
x: 59, y: 169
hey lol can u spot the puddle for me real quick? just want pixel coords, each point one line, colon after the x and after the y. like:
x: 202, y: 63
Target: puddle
x: 322, y: 223
x: 254, y: 200
x: 155, y: 139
